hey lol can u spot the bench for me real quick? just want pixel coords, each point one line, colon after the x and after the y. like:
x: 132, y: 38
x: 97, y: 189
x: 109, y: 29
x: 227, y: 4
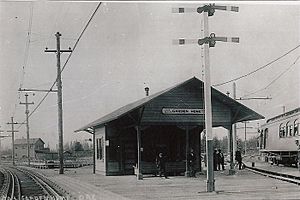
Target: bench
x: 174, y: 168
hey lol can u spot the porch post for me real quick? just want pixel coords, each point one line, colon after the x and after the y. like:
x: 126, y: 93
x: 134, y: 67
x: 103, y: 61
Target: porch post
x: 231, y: 170
x: 139, y: 174
x: 200, y: 148
x: 187, y: 172
x: 94, y: 151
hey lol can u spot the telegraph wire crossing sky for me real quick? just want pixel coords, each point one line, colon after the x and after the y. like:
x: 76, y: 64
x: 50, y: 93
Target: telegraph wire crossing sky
x: 128, y: 46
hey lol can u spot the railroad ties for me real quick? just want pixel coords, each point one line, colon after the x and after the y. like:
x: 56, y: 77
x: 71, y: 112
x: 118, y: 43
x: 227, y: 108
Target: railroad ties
x: 19, y: 183
x: 276, y: 175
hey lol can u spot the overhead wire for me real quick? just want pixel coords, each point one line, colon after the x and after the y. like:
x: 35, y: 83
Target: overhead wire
x: 65, y: 64
x: 276, y: 78
x: 26, y: 55
x: 260, y: 68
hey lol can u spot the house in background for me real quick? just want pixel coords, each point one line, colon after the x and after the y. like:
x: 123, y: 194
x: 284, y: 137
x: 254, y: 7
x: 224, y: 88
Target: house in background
x: 34, y: 145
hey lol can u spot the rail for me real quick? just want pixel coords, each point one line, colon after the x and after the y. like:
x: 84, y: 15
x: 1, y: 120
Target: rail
x: 46, y: 185
x: 11, y: 187
x: 277, y: 175
x: 6, y: 184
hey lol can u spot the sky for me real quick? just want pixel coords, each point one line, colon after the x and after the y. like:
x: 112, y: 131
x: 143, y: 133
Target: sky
x: 128, y: 46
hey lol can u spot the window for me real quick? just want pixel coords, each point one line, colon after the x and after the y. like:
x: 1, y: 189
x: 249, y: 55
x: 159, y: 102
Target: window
x: 261, y: 140
x: 289, y: 129
x: 281, y: 131
x: 296, y: 125
x: 265, y: 138
x: 99, y: 143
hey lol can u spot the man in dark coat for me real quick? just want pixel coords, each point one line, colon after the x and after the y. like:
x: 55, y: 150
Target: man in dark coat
x: 191, y: 163
x: 221, y: 158
x: 161, y: 164
x: 238, y: 158
x: 215, y: 158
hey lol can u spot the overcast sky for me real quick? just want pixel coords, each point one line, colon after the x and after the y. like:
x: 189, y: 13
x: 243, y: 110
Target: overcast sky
x: 128, y: 46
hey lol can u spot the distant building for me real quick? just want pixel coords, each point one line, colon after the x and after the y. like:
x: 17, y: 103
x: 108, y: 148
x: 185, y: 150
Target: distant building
x: 35, y: 144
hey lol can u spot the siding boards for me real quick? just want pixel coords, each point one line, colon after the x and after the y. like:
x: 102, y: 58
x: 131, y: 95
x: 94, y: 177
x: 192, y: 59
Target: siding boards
x: 187, y: 96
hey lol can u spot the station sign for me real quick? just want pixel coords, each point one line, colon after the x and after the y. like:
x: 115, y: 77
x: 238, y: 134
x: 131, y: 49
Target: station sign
x: 182, y: 111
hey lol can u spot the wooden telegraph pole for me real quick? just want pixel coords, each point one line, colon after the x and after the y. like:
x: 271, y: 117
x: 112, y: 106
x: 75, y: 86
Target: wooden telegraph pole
x: 58, y: 51
x: 13, y: 131
x: 1, y: 131
x: 27, y: 126
x: 207, y: 41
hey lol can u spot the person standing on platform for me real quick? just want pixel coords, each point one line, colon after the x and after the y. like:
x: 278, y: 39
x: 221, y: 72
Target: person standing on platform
x: 238, y: 158
x: 215, y: 156
x: 191, y: 163
x: 221, y: 163
x: 161, y: 164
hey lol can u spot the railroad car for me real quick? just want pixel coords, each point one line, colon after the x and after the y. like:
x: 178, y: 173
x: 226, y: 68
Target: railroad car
x: 279, y: 138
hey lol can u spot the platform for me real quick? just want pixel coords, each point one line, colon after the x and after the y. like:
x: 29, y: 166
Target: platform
x: 243, y: 185
x: 274, y: 168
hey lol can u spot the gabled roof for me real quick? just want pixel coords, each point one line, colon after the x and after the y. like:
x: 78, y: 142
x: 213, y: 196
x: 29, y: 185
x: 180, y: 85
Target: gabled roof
x: 233, y: 104
x: 31, y: 141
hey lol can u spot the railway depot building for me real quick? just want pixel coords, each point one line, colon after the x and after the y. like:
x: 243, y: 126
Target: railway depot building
x: 170, y: 121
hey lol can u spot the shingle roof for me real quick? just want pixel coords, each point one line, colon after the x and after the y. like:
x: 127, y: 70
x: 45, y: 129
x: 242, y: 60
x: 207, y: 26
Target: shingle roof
x: 31, y: 141
x: 132, y: 106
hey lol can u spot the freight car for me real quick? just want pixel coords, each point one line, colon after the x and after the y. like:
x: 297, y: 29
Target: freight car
x: 279, y: 138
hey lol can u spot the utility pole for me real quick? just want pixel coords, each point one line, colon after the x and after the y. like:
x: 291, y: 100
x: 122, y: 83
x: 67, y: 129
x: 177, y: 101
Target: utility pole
x: 58, y: 51
x: 1, y: 131
x: 209, y: 40
x: 27, y: 126
x: 13, y: 138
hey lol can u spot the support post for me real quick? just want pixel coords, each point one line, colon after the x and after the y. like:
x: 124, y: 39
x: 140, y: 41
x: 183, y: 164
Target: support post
x: 231, y: 170
x: 187, y: 170
x: 234, y: 125
x: 208, y: 111
x: 58, y: 51
x: 0, y: 147
x: 27, y: 127
x: 13, y: 138
x: 138, y: 133
x: 94, y: 152
x: 200, y: 148
x: 59, y: 101
x: 245, y: 147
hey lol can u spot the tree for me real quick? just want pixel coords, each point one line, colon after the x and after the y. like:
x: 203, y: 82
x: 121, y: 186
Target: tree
x: 78, y: 146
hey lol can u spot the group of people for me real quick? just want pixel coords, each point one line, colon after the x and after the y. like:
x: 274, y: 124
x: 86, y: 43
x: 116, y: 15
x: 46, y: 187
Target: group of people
x: 161, y: 164
x: 219, y: 161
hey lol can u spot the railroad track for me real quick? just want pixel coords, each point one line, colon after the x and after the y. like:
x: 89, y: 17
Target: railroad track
x: 20, y: 184
x: 277, y: 175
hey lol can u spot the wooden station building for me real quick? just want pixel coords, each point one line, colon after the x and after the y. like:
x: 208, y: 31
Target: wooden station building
x: 169, y: 121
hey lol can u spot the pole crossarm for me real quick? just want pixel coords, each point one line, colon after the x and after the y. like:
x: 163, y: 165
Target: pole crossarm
x: 254, y: 98
x: 206, y: 8
x: 55, y: 51
x: 35, y: 90
x: 211, y: 40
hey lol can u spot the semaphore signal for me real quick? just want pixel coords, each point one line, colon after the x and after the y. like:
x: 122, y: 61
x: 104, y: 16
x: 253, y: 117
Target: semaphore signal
x: 209, y: 40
